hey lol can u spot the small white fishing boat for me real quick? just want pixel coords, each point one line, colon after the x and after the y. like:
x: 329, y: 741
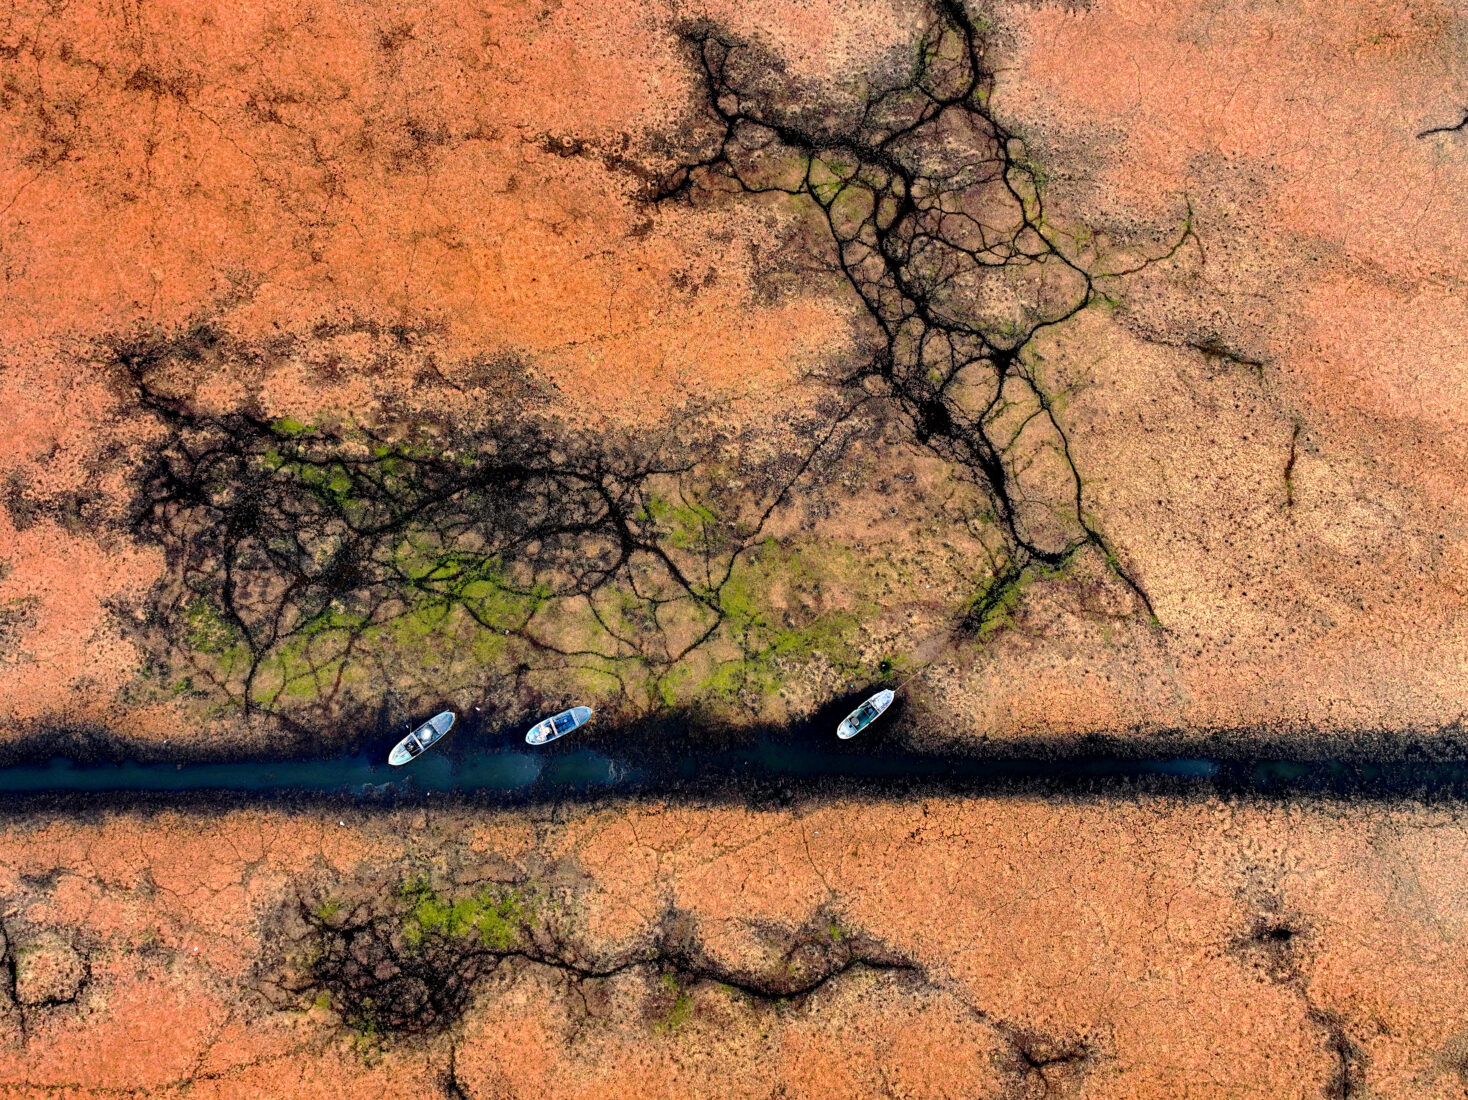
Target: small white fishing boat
x: 864, y: 715
x: 414, y: 745
x: 558, y: 725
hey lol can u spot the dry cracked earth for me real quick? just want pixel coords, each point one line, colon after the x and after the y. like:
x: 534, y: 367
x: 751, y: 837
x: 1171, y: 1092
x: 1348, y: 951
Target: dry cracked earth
x: 1094, y: 372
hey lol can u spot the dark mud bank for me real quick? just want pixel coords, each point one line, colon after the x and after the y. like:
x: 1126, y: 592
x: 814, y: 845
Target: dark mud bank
x: 683, y: 758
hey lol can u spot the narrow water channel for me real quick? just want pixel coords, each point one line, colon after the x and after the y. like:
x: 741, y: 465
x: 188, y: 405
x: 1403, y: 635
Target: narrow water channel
x: 790, y: 767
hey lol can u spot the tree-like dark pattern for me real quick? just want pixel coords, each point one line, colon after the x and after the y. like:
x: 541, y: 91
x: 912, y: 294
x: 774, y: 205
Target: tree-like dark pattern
x: 402, y: 959
x: 291, y: 545
x: 381, y: 970
x: 935, y: 217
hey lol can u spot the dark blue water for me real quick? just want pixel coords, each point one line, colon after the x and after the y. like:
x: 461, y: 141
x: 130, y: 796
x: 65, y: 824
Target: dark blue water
x: 565, y: 770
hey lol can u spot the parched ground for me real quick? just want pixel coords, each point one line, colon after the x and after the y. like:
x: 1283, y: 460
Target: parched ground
x: 976, y: 948
x: 376, y: 217
x: 1082, y: 368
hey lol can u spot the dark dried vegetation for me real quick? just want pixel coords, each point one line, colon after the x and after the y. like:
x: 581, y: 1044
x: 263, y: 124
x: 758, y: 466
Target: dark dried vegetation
x: 307, y: 560
x: 305, y: 557
x: 401, y: 960
x: 935, y: 217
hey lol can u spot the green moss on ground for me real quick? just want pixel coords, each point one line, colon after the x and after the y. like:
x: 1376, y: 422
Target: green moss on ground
x: 205, y: 628
x: 818, y: 613
x: 680, y: 1012
x: 496, y: 916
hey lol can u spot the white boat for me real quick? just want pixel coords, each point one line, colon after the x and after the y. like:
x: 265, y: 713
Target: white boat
x: 864, y: 715
x: 558, y: 725
x: 429, y: 733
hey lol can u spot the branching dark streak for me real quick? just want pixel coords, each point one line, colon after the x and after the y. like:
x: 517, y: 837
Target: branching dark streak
x: 931, y: 207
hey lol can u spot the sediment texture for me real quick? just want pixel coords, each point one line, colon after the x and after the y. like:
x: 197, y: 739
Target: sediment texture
x: 857, y: 342
x: 1081, y: 369
x: 936, y: 948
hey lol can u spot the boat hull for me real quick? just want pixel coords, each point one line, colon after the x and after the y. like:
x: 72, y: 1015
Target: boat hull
x: 849, y: 726
x: 425, y: 736
x: 545, y: 731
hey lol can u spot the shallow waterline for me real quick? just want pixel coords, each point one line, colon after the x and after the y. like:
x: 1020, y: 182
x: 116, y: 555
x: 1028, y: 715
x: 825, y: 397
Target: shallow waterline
x: 574, y: 771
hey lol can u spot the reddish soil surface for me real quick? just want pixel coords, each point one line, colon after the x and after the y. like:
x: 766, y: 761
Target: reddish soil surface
x: 1269, y: 424
x: 453, y: 170
x: 1296, y: 510
x: 1145, y: 948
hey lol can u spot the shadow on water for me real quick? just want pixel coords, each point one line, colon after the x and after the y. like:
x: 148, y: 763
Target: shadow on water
x: 682, y: 757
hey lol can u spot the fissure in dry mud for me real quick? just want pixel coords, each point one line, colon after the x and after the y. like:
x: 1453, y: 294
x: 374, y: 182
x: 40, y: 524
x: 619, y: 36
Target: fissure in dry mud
x: 403, y: 959
x: 935, y: 217
x: 317, y: 570
x: 305, y: 559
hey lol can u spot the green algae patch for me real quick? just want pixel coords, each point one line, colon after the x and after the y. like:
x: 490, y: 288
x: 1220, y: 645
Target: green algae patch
x: 784, y: 607
x: 206, y: 630
x: 680, y: 1011
x: 495, y: 917
x: 289, y: 426
x: 398, y: 957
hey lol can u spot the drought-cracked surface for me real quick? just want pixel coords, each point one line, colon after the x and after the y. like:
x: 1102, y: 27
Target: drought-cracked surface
x: 738, y: 366
x: 936, y: 948
x: 1093, y: 373
x: 714, y: 359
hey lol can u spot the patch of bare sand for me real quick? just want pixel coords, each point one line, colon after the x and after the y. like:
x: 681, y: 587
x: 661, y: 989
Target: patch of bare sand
x: 452, y: 166
x: 63, y: 652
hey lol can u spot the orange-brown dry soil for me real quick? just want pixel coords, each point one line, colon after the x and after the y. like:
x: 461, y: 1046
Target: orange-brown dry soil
x: 995, y: 948
x: 381, y: 214
x: 1268, y: 425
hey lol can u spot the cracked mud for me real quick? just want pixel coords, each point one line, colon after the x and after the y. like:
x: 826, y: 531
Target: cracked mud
x: 1091, y: 373
x: 840, y: 949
